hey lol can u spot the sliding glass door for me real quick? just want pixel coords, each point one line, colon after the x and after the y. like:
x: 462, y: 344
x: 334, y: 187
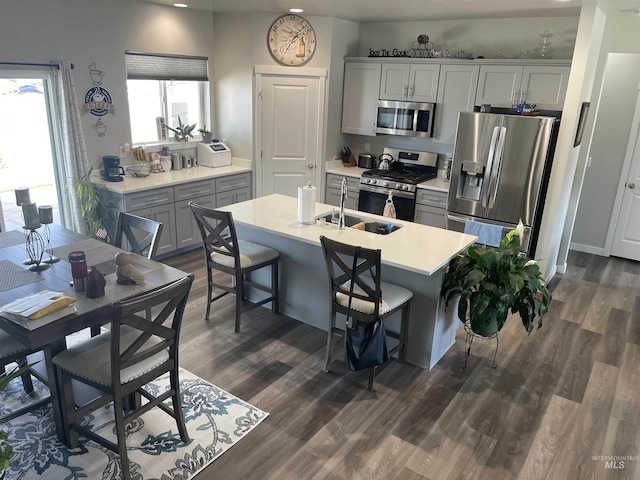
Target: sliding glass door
x: 27, y: 144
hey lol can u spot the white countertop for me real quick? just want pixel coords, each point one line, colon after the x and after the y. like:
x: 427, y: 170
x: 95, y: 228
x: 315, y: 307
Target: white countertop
x: 413, y: 247
x: 437, y: 184
x: 164, y: 179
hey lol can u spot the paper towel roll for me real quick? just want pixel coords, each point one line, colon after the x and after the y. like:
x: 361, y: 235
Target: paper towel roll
x: 307, y: 204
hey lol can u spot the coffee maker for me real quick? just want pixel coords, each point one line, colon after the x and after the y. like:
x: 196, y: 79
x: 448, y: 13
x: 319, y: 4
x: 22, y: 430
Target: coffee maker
x: 112, y: 171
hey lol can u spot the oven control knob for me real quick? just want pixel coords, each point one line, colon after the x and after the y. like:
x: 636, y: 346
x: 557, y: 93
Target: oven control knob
x: 385, y: 184
x: 399, y: 186
x: 405, y: 187
x: 373, y: 182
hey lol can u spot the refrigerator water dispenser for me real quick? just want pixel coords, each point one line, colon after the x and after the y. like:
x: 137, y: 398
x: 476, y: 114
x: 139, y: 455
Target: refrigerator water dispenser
x: 471, y: 176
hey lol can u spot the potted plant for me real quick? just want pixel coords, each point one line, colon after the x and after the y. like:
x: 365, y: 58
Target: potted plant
x: 491, y: 282
x: 206, y: 134
x: 99, y: 214
x: 182, y: 132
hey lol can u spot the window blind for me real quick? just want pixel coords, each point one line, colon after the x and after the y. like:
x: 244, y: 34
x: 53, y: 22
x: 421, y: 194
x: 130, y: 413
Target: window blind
x: 157, y: 66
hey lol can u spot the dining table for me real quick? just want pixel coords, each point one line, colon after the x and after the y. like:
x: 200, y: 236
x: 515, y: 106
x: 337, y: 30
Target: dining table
x: 49, y: 332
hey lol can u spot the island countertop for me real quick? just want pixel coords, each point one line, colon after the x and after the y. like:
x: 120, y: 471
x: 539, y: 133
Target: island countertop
x: 173, y: 177
x: 414, y: 247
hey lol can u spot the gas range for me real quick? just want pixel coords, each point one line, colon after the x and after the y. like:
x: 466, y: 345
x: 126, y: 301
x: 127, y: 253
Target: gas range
x: 408, y: 169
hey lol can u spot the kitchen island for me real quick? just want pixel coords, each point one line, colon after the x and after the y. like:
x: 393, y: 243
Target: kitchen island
x: 413, y: 256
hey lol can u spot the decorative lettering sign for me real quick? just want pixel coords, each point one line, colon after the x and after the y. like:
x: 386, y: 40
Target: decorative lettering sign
x: 97, y: 100
x: 388, y: 53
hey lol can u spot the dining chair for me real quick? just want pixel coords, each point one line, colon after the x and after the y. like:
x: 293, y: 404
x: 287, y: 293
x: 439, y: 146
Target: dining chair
x: 11, y: 350
x: 142, y: 234
x: 372, y: 299
x: 226, y: 253
x: 121, y: 361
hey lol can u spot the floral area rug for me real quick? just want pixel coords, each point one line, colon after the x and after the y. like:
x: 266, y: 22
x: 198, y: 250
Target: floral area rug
x: 215, y: 419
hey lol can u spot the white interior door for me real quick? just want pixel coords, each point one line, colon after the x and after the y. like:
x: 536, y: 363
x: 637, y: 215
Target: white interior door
x: 289, y: 130
x: 626, y: 239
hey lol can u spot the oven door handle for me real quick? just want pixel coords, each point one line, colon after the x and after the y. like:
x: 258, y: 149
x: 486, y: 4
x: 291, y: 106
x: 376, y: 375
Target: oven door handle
x: 385, y: 191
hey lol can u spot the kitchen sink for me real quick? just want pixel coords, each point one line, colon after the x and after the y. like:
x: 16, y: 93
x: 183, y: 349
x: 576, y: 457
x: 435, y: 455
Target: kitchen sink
x: 361, y: 223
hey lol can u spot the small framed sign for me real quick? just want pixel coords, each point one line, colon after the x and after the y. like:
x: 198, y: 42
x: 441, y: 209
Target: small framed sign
x: 584, y: 112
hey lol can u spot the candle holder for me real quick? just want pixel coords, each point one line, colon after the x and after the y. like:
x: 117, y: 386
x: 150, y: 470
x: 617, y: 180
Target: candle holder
x: 45, y: 212
x: 35, y: 250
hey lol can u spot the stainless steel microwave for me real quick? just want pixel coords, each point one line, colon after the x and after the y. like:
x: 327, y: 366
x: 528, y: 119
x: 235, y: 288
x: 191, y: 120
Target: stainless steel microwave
x: 405, y: 118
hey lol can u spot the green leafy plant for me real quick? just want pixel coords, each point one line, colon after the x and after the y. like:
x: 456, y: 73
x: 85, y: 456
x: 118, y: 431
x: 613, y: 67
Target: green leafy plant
x: 96, y: 211
x: 182, y: 132
x: 204, y: 129
x: 490, y: 282
x: 6, y: 450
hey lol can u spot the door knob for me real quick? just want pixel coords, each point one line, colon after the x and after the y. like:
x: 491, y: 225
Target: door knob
x: 310, y: 166
x: 632, y: 186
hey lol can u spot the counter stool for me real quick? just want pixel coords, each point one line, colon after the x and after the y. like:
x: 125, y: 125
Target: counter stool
x: 224, y: 252
x: 372, y: 299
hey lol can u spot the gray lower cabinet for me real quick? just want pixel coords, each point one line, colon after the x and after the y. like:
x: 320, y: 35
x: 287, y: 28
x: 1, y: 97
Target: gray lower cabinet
x: 170, y: 205
x: 334, y: 185
x: 430, y: 208
x: 187, y: 232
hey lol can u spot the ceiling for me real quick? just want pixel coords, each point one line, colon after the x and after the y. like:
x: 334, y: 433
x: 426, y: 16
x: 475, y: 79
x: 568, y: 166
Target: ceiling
x: 403, y: 10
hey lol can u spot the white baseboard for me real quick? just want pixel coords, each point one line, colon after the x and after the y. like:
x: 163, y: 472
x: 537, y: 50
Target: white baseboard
x: 561, y: 268
x: 578, y: 247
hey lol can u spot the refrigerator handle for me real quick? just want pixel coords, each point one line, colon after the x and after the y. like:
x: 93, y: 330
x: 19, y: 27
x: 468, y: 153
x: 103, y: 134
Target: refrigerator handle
x: 487, y: 173
x: 495, y: 176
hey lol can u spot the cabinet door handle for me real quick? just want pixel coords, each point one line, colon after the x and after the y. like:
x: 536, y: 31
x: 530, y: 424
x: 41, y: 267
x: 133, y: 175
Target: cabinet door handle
x: 149, y: 200
x: 406, y: 90
x: 413, y: 89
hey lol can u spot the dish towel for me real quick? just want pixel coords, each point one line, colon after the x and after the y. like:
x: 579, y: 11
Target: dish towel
x: 487, y: 234
x: 389, y: 207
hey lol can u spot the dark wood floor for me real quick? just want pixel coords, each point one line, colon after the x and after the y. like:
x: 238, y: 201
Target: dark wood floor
x: 566, y: 393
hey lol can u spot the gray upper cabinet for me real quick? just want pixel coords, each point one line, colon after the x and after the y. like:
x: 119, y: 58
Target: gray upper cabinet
x: 456, y: 93
x: 360, y: 97
x: 507, y: 85
x: 409, y: 82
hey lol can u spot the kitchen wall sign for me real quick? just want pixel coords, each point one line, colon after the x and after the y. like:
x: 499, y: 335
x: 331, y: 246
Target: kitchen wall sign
x: 291, y: 40
x: 97, y: 100
x: 388, y: 53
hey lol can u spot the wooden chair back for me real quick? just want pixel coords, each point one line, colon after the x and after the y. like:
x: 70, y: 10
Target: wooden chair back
x: 218, y: 232
x: 142, y: 234
x: 339, y: 259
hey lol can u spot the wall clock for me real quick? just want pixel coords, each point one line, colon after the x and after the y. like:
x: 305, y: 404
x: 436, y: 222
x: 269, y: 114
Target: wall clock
x: 291, y: 40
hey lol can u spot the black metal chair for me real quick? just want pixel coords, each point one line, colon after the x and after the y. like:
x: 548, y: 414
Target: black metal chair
x: 224, y: 252
x: 142, y: 234
x: 119, y: 362
x: 372, y: 299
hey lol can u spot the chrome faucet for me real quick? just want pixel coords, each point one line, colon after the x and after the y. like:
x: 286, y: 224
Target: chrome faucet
x: 343, y: 197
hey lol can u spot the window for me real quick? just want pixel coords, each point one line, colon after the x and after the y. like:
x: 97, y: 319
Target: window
x: 165, y: 86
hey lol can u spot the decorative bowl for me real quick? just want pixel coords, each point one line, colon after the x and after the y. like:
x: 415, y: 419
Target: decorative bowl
x: 140, y: 170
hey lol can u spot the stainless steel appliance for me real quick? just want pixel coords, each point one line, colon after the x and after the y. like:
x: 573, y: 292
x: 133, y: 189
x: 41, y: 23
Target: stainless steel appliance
x: 366, y: 160
x: 112, y: 171
x: 500, y: 171
x: 408, y: 169
x: 405, y: 118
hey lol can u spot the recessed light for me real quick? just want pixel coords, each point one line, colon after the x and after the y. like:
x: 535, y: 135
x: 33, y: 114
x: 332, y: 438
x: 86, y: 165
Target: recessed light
x: 180, y: 5
x: 296, y: 10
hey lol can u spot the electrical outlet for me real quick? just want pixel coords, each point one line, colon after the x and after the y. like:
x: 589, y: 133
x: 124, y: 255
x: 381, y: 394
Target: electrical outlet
x: 367, y: 147
x: 589, y: 159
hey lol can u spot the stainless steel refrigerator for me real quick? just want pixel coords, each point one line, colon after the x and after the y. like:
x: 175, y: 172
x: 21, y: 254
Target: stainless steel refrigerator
x: 500, y: 170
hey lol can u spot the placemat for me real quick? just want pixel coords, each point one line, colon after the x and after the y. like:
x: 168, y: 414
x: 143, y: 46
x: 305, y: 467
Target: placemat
x: 13, y: 237
x: 96, y: 252
x: 12, y: 276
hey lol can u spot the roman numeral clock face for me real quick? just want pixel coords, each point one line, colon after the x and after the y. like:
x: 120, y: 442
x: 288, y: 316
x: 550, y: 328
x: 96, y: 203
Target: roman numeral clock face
x: 291, y: 40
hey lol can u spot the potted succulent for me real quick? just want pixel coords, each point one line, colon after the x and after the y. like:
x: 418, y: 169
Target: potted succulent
x: 206, y: 134
x: 491, y: 282
x: 182, y: 132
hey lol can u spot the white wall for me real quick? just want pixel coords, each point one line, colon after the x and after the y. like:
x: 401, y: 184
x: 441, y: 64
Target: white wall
x: 581, y: 80
x: 86, y: 31
x: 486, y: 37
x: 618, y: 74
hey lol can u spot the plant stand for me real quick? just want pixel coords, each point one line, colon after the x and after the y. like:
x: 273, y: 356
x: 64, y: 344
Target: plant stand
x: 469, y: 340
